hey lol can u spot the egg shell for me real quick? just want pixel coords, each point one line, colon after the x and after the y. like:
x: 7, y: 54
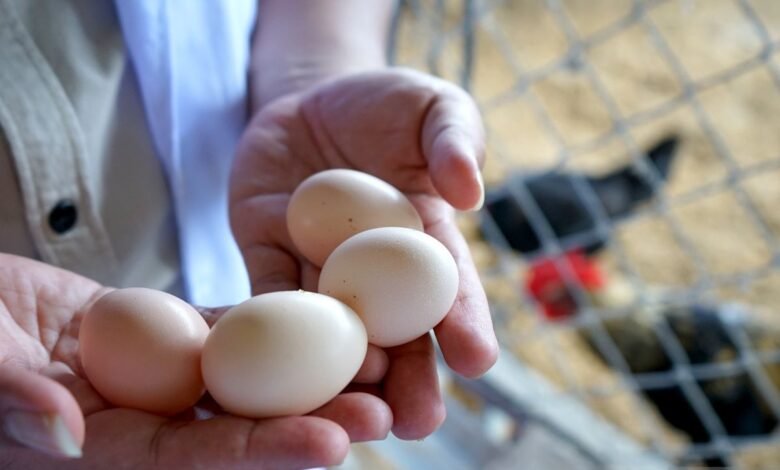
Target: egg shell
x: 282, y: 353
x: 331, y: 206
x: 140, y: 348
x: 401, y: 282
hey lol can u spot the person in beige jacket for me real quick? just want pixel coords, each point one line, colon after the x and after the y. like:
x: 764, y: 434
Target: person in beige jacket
x: 87, y: 200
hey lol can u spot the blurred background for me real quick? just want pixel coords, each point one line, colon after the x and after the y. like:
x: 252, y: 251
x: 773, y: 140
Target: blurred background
x: 629, y: 243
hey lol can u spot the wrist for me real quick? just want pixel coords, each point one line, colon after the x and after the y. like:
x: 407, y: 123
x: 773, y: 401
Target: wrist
x: 299, y: 44
x: 272, y: 79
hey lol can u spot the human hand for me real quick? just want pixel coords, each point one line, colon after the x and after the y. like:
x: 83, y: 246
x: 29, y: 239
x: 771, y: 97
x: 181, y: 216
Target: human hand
x: 47, y: 405
x: 422, y: 135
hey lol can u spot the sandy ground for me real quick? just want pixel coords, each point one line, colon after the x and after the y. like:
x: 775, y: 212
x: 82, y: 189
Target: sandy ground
x: 720, y: 222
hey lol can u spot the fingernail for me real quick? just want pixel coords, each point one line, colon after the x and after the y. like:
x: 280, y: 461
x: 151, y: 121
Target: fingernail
x: 41, y: 431
x: 481, y: 200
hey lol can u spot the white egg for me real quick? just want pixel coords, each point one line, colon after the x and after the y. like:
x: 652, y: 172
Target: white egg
x: 401, y: 282
x: 331, y: 206
x: 140, y: 348
x: 282, y: 353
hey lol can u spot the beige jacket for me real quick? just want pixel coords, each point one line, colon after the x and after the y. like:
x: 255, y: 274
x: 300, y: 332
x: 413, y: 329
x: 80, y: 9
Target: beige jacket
x: 80, y: 186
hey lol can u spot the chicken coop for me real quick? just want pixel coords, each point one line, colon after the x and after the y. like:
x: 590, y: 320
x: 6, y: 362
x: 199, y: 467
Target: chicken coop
x: 629, y: 241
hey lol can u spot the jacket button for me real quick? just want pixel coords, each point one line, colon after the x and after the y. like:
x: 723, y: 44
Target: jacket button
x: 63, y: 216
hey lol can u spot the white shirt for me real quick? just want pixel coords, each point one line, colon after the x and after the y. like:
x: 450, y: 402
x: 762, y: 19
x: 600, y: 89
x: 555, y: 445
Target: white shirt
x: 192, y: 59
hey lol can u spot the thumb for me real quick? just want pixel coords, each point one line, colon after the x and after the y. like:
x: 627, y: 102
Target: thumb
x: 38, y: 413
x: 453, y: 141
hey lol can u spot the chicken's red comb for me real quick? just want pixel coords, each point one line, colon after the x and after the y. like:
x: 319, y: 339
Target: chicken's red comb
x: 546, y: 271
x: 544, y: 275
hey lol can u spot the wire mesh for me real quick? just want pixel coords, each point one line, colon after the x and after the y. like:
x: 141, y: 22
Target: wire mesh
x: 514, y: 55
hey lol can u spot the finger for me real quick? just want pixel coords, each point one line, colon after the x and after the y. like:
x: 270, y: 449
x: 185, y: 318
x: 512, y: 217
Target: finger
x: 374, y: 366
x: 298, y: 442
x: 466, y: 335
x: 363, y: 416
x: 38, y: 413
x: 412, y: 389
x: 88, y: 399
x: 271, y: 269
x: 271, y: 259
x: 453, y: 143
x: 220, y: 442
x: 310, y: 276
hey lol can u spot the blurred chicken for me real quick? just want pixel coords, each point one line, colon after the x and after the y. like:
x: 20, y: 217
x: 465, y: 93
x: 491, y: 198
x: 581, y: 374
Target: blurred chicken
x: 702, y: 331
x: 618, y: 192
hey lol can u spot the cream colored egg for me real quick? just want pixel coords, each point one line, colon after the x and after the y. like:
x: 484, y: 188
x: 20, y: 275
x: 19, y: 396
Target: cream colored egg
x: 282, y: 353
x: 401, y: 282
x: 140, y: 348
x: 331, y: 206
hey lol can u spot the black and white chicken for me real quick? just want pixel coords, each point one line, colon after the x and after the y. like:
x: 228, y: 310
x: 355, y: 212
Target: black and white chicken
x: 563, y: 207
x: 705, y: 333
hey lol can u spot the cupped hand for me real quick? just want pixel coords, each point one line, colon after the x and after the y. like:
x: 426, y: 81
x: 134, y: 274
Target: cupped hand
x: 48, y: 410
x: 422, y: 135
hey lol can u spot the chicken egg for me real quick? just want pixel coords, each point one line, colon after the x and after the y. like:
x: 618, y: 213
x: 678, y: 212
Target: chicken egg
x: 401, y: 282
x: 282, y: 353
x: 140, y: 348
x: 331, y: 206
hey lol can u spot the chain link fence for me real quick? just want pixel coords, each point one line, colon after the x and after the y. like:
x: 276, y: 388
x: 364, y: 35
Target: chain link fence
x: 583, y: 87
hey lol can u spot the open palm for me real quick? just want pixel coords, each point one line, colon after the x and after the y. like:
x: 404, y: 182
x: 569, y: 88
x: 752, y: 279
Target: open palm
x: 420, y: 134
x: 48, y: 405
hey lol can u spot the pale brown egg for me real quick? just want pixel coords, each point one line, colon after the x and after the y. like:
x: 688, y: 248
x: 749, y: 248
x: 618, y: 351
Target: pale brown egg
x: 282, y: 353
x: 140, y: 348
x: 401, y: 282
x: 331, y: 206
